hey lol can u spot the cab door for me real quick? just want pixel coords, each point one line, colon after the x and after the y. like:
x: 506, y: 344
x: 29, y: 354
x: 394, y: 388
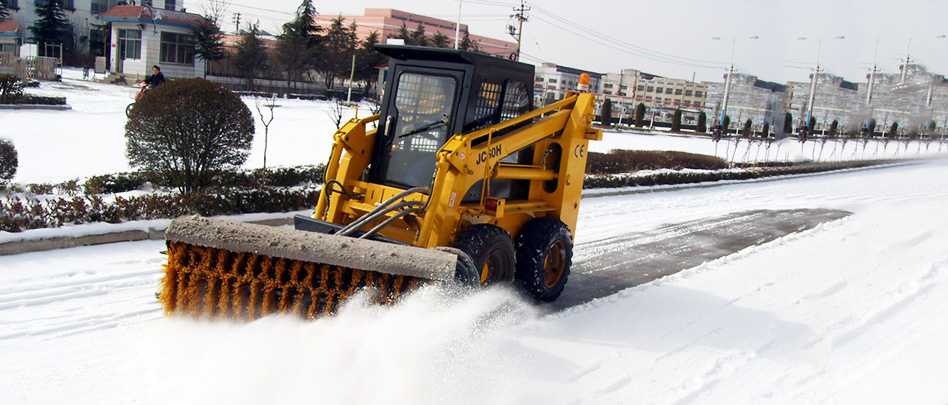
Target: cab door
x: 416, y: 121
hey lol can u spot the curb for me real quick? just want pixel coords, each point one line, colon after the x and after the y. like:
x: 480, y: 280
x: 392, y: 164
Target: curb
x: 35, y: 107
x: 63, y: 242
x: 721, y: 183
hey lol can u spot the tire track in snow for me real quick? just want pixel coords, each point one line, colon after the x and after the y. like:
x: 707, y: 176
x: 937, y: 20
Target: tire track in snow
x: 79, y: 290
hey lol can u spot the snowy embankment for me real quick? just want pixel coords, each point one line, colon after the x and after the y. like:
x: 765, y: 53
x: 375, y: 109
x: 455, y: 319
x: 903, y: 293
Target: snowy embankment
x: 850, y: 312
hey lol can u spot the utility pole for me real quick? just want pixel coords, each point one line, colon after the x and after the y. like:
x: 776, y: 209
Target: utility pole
x: 237, y: 23
x: 727, y: 82
x: 907, y: 60
x: 727, y: 87
x: 809, y: 104
x: 518, y: 32
x: 872, y: 75
x: 872, y: 81
x: 816, y: 75
x: 906, y: 63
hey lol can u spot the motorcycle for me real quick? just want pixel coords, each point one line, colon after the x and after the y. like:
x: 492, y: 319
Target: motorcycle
x: 141, y: 93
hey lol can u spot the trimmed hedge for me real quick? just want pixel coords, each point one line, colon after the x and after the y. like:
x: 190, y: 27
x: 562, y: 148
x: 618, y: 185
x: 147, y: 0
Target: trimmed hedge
x: 688, y: 177
x: 8, y: 161
x: 18, y: 214
x: 37, y: 100
x: 11, y: 92
x: 279, y: 177
x: 628, y: 161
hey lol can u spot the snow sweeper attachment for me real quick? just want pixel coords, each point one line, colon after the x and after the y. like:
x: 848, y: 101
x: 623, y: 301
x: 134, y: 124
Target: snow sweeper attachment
x: 462, y: 181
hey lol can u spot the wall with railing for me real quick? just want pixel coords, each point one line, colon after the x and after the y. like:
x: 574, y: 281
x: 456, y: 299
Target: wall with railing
x: 31, y: 67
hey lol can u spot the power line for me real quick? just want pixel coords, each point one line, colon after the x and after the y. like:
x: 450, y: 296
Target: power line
x: 491, y: 3
x: 264, y: 9
x: 613, y: 45
x: 619, y: 44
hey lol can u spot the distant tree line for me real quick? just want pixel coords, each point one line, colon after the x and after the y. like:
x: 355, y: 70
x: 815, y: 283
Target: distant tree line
x: 304, y: 50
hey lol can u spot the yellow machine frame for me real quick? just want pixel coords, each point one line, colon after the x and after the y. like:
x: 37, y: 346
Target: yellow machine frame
x: 559, y: 134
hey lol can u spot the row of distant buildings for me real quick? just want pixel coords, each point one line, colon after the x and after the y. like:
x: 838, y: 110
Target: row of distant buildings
x: 127, y: 37
x: 918, y: 104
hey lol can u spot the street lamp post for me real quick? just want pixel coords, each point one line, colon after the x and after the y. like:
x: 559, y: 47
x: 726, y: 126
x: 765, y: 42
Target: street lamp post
x: 872, y: 76
x: 816, y: 74
x: 727, y: 82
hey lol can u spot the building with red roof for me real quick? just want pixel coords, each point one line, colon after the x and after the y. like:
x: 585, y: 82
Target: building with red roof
x: 143, y: 36
x: 387, y: 22
x: 11, y: 36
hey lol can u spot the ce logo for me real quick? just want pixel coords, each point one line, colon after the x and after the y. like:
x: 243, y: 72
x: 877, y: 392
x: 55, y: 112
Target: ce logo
x: 579, y: 150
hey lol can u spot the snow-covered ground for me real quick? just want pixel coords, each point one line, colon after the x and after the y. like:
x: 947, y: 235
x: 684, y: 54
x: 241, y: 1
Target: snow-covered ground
x: 852, y: 312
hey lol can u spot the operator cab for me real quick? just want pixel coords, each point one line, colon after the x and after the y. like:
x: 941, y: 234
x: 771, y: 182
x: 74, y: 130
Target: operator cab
x: 432, y: 94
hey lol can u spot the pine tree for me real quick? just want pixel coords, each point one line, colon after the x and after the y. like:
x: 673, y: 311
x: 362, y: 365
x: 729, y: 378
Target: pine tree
x: 52, y: 27
x: 251, y: 56
x: 402, y: 34
x: 208, y: 41
x: 367, y: 62
x: 304, y: 24
x: 336, y: 52
x: 439, y: 40
x: 4, y: 12
x: 292, y: 54
x: 639, y: 115
x: 702, y: 123
x: 418, y: 37
x: 676, y: 121
x: 605, y: 113
x: 299, y: 43
x: 467, y: 44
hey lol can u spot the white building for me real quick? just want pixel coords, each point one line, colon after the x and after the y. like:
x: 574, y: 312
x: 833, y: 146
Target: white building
x: 143, y: 36
x: 554, y: 81
x: 89, y: 36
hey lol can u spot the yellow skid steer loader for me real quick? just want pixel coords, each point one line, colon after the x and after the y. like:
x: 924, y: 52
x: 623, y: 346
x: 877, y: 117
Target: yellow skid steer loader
x: 461, y: 181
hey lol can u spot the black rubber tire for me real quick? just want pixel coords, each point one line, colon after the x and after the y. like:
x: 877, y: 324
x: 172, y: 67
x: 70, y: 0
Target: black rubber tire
x: 492, y: 250
x: 544, y: 257
x: 465, y: 274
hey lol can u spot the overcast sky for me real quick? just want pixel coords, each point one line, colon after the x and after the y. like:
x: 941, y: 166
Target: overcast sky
x: 673, y: 37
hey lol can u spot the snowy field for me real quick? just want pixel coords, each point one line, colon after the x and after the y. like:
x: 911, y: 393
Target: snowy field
x: 854, y: 311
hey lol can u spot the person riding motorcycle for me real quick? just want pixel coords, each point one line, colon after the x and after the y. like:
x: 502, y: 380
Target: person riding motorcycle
x: 156, y: 79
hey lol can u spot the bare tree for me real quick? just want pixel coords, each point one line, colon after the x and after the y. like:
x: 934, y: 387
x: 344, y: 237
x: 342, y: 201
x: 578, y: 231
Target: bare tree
x: 268, y: 104
x: 335, y: 112
x: 215, y: 10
